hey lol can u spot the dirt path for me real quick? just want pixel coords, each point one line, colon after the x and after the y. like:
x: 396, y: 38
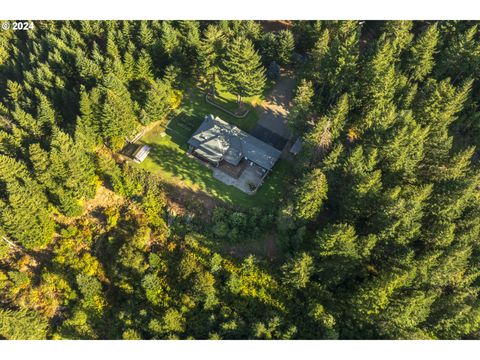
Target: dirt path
x: 274, y: 110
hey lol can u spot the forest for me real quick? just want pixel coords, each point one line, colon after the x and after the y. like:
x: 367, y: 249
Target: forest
x: 376, y: 230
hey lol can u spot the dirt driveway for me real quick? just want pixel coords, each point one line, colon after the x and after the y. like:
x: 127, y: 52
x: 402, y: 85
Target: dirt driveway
x: 274, y: 111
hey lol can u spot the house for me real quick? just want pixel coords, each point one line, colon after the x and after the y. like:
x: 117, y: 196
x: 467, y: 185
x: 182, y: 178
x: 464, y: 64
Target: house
x: 226, y: 147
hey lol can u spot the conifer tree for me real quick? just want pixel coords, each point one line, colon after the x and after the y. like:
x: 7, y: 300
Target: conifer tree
x: 285, y: 47
x: 129, y: 62
x: 24, y: 214
x: 143, y: 67
x: 421, y: 56
x: 145, y: 34
x: 243, y: 73
x: 72, y: 172
x: 87, y: 130
x: 326, y: 131
x: 461, y: 58
x: 190, y: 44
x: 398, y: 32
x: 268, y: 47
x: 159, y: 102
x: 379, y: 84
x: 359, y: 188
x: 307, y: 32
x: 437, y: 106
x: 319, y: 56
x: 311, y: 195
x: 402, y: 147
x: 41, y: 164
x: 299, y: 114
x: 211, y: 50
x: 340, y: 66
x: 45, y: 113
x: 338, y: 251
x: 170, y: 39
x: 22, y: 325
x: 297, y: 272
x: 117, y: 118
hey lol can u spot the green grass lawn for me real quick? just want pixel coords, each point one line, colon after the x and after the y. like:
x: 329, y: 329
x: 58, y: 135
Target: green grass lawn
x: 194, y: 109
x: 168, y: 158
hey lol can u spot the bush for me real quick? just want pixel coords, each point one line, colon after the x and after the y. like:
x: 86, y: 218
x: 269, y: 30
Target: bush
x: 221, y: 229
x: 239, y: 225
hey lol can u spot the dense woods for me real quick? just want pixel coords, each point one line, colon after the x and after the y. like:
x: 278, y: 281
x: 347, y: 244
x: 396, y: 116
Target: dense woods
x: 379, y: 230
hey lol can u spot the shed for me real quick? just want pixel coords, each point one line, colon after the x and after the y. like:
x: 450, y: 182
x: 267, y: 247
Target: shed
x: 141, y: 153
x: 297, y: 146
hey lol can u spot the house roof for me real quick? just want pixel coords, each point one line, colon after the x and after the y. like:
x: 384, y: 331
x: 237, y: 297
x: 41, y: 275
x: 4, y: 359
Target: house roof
x: 220, y: 140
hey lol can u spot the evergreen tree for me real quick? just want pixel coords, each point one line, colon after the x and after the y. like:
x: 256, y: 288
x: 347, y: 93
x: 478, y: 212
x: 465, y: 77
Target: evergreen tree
x: 326, y: 131
x: 285, y: 46
x: 22, y: 325
x: 211, y: 50
x: 159, y: 102
x: 319, y: 56
x: 88, y: 130
x: 24, y: 213
x: 300, y: 112
x: 268, y: 47
x: 379, y: 85
x: 170, y: 40
x: 461, y: 58
x: 437, y: 106
x: 421, y: 57
x: 339, y: 253
x: 118, y: 117
x: 243, y: 73
x: 311, y: 195
x: 399, y: 34
x: 297, y: 272
x: 40, y: 161
x: 143, y: 67
x: 72, y: 173
x: 340, y: 65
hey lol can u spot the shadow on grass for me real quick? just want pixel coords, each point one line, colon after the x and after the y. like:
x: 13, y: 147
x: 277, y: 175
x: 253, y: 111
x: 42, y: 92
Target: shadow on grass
x: 180, y: 166
x: 177, y: 166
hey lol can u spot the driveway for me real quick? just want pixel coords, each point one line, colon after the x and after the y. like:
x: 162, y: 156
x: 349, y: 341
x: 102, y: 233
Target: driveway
x: 274, y: 111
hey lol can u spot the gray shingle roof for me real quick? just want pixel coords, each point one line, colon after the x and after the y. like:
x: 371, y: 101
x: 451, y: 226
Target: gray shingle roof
x: 220, y: 140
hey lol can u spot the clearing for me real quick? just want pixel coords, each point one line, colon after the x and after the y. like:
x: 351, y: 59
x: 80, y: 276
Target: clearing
x: 169, y: 147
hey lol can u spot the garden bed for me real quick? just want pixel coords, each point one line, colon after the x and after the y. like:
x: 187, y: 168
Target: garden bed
x: 238, y: 113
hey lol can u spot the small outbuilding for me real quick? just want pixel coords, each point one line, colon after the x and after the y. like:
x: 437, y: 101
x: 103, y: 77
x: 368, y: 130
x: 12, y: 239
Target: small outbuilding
x: 141, y: 153
x: 136, y: 152
x: 297, y: 146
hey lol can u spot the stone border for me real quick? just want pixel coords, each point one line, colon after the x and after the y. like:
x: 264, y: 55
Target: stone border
x: 211, y: 102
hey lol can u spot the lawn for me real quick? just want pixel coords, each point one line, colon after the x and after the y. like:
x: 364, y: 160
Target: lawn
x: 168, y: 158
x: 195, y: 108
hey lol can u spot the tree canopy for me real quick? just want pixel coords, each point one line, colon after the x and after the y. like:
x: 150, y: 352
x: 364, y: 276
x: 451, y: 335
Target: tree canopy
x: 372, y: 233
